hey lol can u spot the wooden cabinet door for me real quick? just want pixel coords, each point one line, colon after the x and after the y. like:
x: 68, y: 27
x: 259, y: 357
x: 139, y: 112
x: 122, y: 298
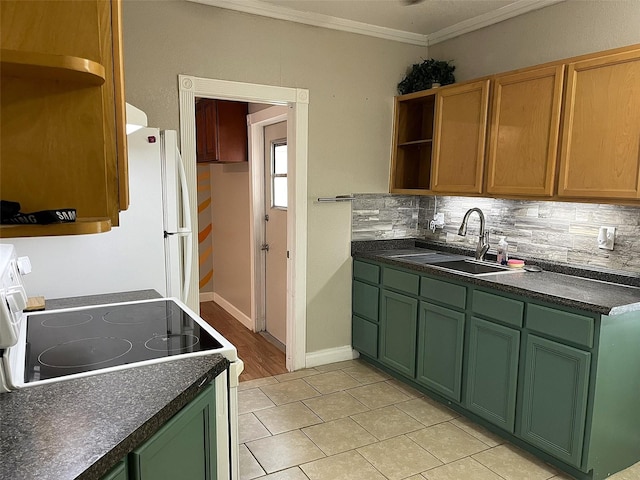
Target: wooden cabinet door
x: 492, y: 372
x: 185, y: 447
x: 554, y: 405
x: 440, y: 345
x: 232, y: 131
x: 524, y: 131
x: 459, y: 138
x: 600, y: 155
x: 206, y: 130
x: 398, y: 328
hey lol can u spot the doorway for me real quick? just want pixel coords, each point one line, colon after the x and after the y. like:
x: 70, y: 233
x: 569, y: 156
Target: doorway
x: 296, y: 101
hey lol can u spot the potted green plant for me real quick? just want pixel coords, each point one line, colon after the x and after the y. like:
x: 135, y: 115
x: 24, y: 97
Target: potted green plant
x: 426, y: 75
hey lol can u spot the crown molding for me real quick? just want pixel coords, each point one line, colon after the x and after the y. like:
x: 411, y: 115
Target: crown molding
x: 257, y: 7
x: 514, y: 9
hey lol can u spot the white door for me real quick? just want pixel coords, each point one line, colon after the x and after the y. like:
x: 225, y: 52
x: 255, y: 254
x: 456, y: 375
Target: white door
x: 275, y: 242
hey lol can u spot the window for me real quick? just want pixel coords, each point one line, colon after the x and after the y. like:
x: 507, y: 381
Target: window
x: 279, y: 174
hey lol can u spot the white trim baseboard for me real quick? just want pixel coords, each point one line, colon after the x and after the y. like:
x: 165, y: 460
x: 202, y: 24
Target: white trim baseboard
x: 233, y: 311
x: 331, y: 355
x: 206, y: 297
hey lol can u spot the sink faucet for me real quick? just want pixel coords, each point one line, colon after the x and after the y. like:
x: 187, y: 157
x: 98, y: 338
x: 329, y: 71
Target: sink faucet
x: 483, y: 237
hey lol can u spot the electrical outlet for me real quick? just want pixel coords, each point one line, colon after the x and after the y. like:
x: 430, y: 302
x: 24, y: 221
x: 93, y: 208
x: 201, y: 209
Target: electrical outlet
x: 437, y: 222
x: 606, y: 237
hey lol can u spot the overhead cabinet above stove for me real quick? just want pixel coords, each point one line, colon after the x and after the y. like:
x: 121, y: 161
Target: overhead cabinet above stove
x: 63, y: 113
x: 566, y: 130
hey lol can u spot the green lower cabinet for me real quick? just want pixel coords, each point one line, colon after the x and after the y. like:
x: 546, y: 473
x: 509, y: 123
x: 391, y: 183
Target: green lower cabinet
x: 398, y: 329
x: 440, y: 349
x: 119, y: 472
x: 185, y: 447
x: 492, y: 372
x: 364, y: 336
x: 365, y: 300
x: 554, y: 404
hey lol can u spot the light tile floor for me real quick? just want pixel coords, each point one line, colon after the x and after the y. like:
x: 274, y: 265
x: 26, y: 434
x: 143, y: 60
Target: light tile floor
x: 351, y: 421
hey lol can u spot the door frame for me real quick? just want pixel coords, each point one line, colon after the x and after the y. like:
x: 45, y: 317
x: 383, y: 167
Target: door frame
x: 256, y: 122
x: 297, y: 101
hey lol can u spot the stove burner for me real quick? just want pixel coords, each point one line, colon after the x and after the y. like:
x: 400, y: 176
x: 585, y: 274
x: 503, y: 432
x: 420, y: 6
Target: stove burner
x: 137, y: 314
x: 172, y: 343
x: 85, y: 352
x: 70, y: 319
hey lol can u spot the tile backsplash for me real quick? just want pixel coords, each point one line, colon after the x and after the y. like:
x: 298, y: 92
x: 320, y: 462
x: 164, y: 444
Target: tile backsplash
x: 553, y: 231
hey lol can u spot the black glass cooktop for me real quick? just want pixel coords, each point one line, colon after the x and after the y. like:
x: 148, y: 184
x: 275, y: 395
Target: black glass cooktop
x: 65, y: 343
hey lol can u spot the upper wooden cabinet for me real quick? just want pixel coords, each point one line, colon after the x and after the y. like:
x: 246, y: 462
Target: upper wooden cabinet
x: 412, y: 142
x: 221, y: 131
x: 459, y: 138
x: 566, y: 130
x: 63, y: 113
x: 600, y: 155
x: 523, y: 143
x: 439, y: 138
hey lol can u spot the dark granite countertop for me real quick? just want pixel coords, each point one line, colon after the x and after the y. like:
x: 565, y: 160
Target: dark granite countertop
x: 573, y: 288
x: 80, y: 429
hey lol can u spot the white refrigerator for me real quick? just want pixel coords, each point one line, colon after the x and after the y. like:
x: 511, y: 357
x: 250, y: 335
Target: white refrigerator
x: 152, y: 247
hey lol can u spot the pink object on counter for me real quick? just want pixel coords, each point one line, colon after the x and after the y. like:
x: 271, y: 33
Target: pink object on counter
x: 513, y: 263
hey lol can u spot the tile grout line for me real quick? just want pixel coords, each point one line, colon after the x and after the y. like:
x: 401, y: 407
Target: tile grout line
x: 367, y: 409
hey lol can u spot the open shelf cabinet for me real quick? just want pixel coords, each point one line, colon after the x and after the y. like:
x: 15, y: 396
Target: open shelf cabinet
x: 412, y: 142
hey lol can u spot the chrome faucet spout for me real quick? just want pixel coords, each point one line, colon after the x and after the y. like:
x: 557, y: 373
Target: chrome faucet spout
x: 483, y: 237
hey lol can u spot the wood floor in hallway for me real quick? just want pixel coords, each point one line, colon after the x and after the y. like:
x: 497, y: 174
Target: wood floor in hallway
x: 261, y: 358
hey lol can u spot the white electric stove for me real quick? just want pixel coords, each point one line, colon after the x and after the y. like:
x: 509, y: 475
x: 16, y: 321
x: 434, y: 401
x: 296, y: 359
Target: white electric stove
x: 50, y: 346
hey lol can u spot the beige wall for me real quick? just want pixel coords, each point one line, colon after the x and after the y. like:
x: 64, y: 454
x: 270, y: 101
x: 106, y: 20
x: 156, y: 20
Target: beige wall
x: 567, y: 29
x: 230, y: 234
x: 351, y: 79
x: 205, y: 240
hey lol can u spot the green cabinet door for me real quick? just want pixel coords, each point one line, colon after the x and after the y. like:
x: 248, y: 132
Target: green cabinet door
x: 119, y: 472
x: 554, y: 402
x: 398, y: 329
x: 440, y: 348
x: 185, y: 447
x: 364, y: 336
x: 492, y: 372
x: 365, y: 300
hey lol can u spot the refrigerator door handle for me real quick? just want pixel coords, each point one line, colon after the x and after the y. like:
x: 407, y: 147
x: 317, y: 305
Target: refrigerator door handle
x: 187, y: 268
x: 186, y: 230
x: 184, y: 188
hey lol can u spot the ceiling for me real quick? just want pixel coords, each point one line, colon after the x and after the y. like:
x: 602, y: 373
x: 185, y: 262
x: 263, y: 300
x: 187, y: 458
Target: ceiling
x: 419, y: 22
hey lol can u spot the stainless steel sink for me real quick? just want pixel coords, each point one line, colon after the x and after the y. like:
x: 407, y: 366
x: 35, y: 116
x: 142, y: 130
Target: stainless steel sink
x: 426, y: 257
x: 474, y: 267
x: 417, y: 257
x: 413, y: 253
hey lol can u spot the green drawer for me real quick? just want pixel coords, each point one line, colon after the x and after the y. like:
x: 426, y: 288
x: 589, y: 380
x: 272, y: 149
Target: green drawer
x: 498, y: 308
x: 366, y: 271
x: 443, y: 292
x: 364, y: 336
x: 560, y: 324
x: 366, y: 299
x: 403, y: 281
